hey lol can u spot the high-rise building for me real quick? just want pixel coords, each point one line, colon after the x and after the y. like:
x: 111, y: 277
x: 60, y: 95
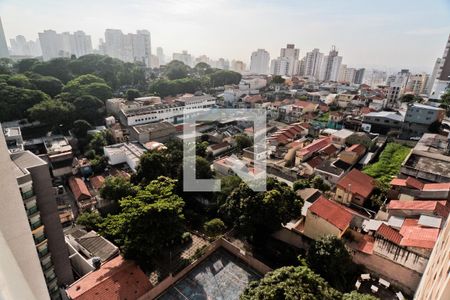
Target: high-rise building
x: 238, y: 66
x: 313, y: 63
x: 287, y: 63
x: 21, y: 47
x: 331, y: 66
x: 417, y: 83
x: 279, y: 66
x: 184, y: 57
x: 64, y: 44
x: 259, y: 62
x: 359, y: 76
x: 160, y: 55
x: 441, y: 82
x: 131, y: 47
x: 435, y: 282
x: 3, y: 46
x: 30, y: 224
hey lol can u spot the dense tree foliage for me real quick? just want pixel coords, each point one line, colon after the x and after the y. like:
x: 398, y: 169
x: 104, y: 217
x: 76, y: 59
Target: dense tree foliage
x: 329, y: 258
x: 214, y: 227
x: 410, y: 98
x: 90, y: 220
x: 148, y: 222
x: 52, y: 112
x: 57, y: 67
x: 290, y: 283
x: 116, y: 188
x: 243, y: 141
x: 133, y: 94
x: 176, y: 70
x: 52, y: 86
x: 258, y: 214
x: 224, y: 77
x: 80, y: 128
x: 278, y: 79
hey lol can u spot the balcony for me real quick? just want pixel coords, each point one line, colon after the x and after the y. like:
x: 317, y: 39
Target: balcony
x: 32, y: 210
x: 39, y: 239
x: 28, y: 194
x: 47, y: 266
x: 35, y: 225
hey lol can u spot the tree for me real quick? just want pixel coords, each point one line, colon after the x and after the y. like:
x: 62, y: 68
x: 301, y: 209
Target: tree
x: 152, y: 165
x: 87, y: 85
x: 290, y: 283
x: 116, y: 188
x: 148, y: 222
x: 243, y: 141
x: 214, y: 227
x: 301, y: 184
x: 90, y: 220
x: 48, y: 84
x: 359, y: 138
x: 203, y: 168
x: 97, y: 142
x: 15, y: 102
x: 258, y: 214
x: 80, y: 128
x: 20, y: 81
x: 278, y: 79
x: 200, y: 148
x: 202, y: 69
x: 133, y: 94
x: 100, y: 90
x: 25, y: 65
x: 410, y: 98
x: 57, y: 67
x: 224, y: 77
x: 445, y: 99
x: 52, y: 112
x: 99, y: 163
x: 228, y: 185
x: 318, y: 183
x: 329, y: 258
x: 176, y: 70
x: 89, y: 108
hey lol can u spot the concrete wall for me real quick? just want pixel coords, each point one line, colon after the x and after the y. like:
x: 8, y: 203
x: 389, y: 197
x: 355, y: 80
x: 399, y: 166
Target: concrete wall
x: 404, y: 278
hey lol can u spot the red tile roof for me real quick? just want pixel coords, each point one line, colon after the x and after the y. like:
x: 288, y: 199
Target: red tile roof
x: 389, y: 234
x: 116, y: 279
x: 358, y: 183
x: 97, y: 181
x: 332, y: 212
x: 314, y: 162
x: 79, y: 189
x: 425, y: 205
x: 315, y: 146
x: 408, y: 182
x: 437, y: 186
x: 329, y: 150
x: 357, y: 148
x: 418, y: 236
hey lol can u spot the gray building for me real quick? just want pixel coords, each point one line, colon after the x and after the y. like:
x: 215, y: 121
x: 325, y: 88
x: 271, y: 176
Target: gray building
x: 419, y: 118
x: 382, y: 122
x: 159, y: 132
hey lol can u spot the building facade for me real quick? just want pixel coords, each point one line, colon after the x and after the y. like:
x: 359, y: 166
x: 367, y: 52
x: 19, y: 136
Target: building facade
x: 259, y: 62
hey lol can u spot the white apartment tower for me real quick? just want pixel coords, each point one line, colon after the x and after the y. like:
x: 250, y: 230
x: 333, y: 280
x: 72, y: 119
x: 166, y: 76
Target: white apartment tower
x: 131, y: 47
x: 64, y: 44
x: 331, y: 66
x: 3, y: 46
x: 313, y: 63
x: 259, y: 62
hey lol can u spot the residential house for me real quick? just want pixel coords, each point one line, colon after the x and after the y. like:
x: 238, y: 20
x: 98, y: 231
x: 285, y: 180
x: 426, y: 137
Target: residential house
x: 340, y: 137
x: 355, y: 187
x: 419, y: 118
x: 352, y: 154
x: 308, y: 151
x: 332, y: 170
x: 129, y: 153
x: 412, y: 187
x: 159, y: 132
x: 417, y: 208
x: 217, y: 149
x: 115, y: 279
x: 382, y: 122
x: 325, y: 217
x: 81, y: 193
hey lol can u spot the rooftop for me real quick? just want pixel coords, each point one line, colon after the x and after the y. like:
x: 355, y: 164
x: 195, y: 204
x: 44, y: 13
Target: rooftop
x: 153, y: 127
x: 220, y: 276
x: 357, y: 183
x: 116, y: 279
x: 331, y: 212
x: 396, y: 116
x: 97, y: 245
x: 79, y: 188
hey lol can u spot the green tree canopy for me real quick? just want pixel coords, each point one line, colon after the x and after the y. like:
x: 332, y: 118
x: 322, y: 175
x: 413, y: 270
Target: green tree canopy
x: 116, y: 188
x: 243, y: 141
x: 89, y: 108
x: 176, y: 70
x: 57, y: 67
x: 329, y: 258
x: 214, y: 227
x: 80, y: 128
x: 258, y: 214
x: 52, y: 112
x: 133, y: 94
x: 290, y: 283
x: 90, y: 220
x: 148, y: 222
x: 278, y: 79
x: 224, y: 77
x: 25, y: 65
x: 48, y: 84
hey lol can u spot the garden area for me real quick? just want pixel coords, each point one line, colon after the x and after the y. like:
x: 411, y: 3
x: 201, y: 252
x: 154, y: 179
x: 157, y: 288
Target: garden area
x: 388, y: 165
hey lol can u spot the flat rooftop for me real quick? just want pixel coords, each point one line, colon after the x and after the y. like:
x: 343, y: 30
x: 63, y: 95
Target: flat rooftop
x: 221, y: 276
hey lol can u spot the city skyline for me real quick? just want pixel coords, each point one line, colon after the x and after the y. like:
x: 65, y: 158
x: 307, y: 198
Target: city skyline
x: 369, y: 35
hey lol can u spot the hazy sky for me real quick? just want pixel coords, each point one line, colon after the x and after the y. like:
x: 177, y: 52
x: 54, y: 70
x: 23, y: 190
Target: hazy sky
x: 384, y: 33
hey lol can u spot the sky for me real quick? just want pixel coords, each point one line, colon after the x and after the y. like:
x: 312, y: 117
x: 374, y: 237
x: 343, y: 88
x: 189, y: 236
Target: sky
x: 389, y: 34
